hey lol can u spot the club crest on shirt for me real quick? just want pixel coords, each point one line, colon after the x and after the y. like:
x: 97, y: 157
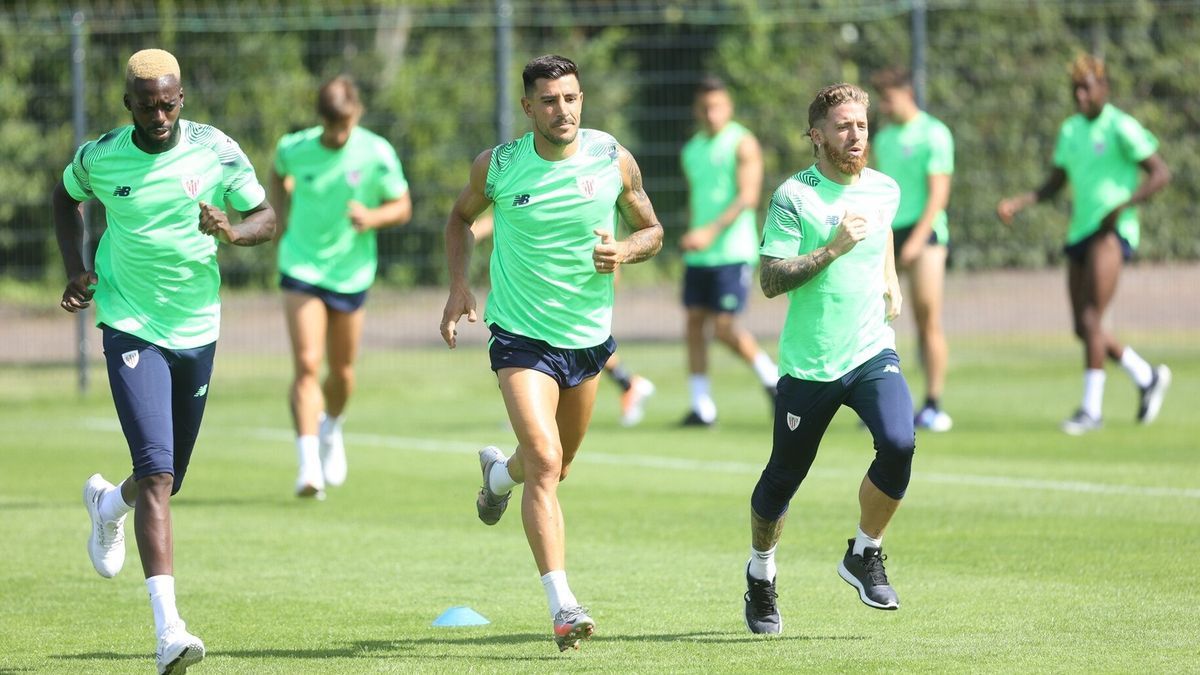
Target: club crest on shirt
x: 587, y: 186
x: 191, y: 186
x: 130, y: 358
x: 1098, y: 146
x: 353, y: 177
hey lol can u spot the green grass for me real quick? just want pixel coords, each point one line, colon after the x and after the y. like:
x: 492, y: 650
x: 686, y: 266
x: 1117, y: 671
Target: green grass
x: 1017, y: 549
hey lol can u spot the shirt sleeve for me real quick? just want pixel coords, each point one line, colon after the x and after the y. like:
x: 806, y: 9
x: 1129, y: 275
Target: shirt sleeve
x: 242, y: 189
x: 1136, y: 141
x: 782, y: 230
x: 941, y: 151
x: 76, y: 177
x: 1062, y: 150
x: 392, y: 183
x: 281, y: 167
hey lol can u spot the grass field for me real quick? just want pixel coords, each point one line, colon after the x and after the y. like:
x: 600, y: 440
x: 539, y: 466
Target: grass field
x: 1017, y: 549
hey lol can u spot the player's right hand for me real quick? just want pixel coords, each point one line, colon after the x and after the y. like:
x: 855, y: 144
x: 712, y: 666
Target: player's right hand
x: 460, y: 302
x: 1006, y: 209
x: 79, y: 291
x: 848, y: 233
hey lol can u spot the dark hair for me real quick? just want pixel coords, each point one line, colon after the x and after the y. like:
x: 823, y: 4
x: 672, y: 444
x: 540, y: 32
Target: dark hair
x: 548, y: 67
x: 891, y: 78
x: 709, y: 84
x: 338, y: 99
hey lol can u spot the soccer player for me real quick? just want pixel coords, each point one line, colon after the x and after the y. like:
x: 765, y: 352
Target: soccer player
x: 724, y: 170
x: 827, y: 243
x: 334, y: 184
x: 162, y: 181
x: 1099, y: 152
x: 556, y: 194
x: 917, y: 151
x: 635, y: 389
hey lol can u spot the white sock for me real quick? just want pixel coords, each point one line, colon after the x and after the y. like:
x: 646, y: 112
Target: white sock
x: 766, y: 370
x: 862, y: 540
x: 1093, y: 392
x: 558, y: 594
x: 308, y: 448
x: 498, y: 479
x: 112, y: 505
x: 702, y: 402
x: 762, y: 563
x: 330, y: 426
x: 1139, y: 370
x: 162, y: 601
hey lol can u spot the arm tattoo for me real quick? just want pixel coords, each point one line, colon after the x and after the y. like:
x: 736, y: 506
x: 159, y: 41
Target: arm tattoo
x: 765, y: 533
x: 782, y: 275
x: 256, y: 228
x: 638, y: 212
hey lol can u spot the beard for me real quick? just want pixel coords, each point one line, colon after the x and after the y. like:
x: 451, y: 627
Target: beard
x: 845, y: 162
x: 550, y: 134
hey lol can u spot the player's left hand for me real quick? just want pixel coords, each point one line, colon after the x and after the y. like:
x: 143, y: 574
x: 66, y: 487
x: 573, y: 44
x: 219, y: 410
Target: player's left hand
x: 359, y: 216
x: 608, y: 254
x: 215, y: 223
x: 893, y: 301
x: 698, y: 239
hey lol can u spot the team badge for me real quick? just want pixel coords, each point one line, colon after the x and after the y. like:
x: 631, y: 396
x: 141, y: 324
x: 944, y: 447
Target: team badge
x: 587, y: 185
x: 353, y: 178
x: 191, y: 186
x: 793, y: 421
x: 131, y: 358
x: 1098, y: 146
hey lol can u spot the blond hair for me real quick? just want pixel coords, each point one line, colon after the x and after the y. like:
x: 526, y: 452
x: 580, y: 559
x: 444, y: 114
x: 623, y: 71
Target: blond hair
x: 1085, y: 65
x: 151, y: 64
x: 831, y: 97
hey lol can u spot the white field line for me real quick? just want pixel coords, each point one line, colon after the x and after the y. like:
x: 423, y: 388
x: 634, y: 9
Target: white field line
x: 433, y: 445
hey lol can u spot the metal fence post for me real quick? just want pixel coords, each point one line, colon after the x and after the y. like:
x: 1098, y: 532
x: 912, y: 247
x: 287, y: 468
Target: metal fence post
x: 918, y: 51
x: 504, y: 117
x: 79, y: 122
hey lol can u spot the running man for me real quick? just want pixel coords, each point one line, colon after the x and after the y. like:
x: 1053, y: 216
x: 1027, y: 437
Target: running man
x: 827, y: 243
x: 1099, y: 152
x: 556, y: 194
x: 917, y: 151
x: 724, y: 170
x: 162, y: 181
x: 335, y: 184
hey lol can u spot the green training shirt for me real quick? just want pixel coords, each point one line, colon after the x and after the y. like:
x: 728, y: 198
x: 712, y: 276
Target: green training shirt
x: 1100, y: 158
x: 544, y: 283
x: 157, y: 273
x: 710, y: 164
x: 836, y: 321
x: 910, y: 153
x: 319, y: 246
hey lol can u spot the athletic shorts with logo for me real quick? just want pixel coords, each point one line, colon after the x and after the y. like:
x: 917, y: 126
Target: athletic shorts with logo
x: 720, y: 288
x: 568, y: 367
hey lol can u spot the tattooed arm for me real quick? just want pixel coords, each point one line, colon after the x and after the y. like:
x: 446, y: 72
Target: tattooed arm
x: 780, y: 275
x: 638, y: 212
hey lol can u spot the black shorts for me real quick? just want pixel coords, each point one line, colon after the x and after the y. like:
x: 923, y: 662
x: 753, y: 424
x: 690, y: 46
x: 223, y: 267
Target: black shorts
x: 568, y: 367
x: 1077, y: 252
x: 901, y: 235
x: 345, y: 303
x: 721, y: 288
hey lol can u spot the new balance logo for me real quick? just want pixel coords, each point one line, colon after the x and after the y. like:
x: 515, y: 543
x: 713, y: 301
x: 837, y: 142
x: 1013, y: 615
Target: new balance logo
x: 793, y: 421
x: 832, y: 221
x: 889, y: 368
x: 521, y: 200
x: 201, y: 391
x: 122, y: 191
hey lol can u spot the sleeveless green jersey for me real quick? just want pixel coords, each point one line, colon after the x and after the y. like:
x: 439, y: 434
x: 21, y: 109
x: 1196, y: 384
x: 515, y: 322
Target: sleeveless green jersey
x: 910, y: 153
x: 544, y: 283
x: 710, y: 164
x: 157, y: 273
x: 836, y: 321
x: 319, y: 246
x: 1100, y: 158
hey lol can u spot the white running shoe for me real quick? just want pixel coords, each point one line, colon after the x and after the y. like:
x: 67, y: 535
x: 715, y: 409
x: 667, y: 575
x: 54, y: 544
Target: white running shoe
x: 933, y: 419
x: 333, y: 453
x: 633, y: 401
x: 106, y: 543
x: 311, y: 483
x: 178, y: 649
x: 1151, y: 399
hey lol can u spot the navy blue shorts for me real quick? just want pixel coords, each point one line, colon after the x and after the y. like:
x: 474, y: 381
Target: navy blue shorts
x: 1077, y: 252
x: 568, y: 367
x: 721, y: 288
x: 160, y: 395
x: 901, y: 235
x: 345, y: 303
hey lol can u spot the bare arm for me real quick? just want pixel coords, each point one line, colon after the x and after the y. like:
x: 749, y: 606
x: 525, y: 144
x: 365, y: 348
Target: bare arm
x: 891, y: 283
x: 68, y: 230
x: 749, y: 182
x: 393, y: 212
x: 1157, y: 177
x: 780, y: 275
x: 1013, y: 205
x: 471, y: 202
x: 279, y: 192
x: 638, y: 213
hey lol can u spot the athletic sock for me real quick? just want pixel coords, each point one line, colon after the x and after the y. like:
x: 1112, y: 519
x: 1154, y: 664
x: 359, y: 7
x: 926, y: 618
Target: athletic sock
x: 766, y: 370
x: 308, y: 448
x: 702, y: 403
x: 621, y: 376
x: 558, y: 594
x: 498, y: 480
x: 762, y: 563
x: 1093, y: 392
x: 862, y: 540
x: 162, y: 601
x: 112, y: 505
x: 1139, y: 370
x: 330, y: 425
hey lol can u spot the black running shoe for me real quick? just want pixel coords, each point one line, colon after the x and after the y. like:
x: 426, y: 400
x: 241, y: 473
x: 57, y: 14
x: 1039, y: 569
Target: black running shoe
x: 762, y: 614
x: 1152, y: 395
x: 865, y: 572
x: 693, y: 419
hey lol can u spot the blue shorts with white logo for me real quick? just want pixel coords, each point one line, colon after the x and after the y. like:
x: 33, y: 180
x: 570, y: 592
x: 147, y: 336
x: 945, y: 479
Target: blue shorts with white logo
x: 568, y: 367
x: 722, y: 288
x: 160, y: 395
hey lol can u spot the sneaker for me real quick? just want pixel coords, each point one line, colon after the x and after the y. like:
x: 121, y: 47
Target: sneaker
x: 311, y: 483
x: 571, y: 625
x: 1080, y: 423
x: 933, y: 419
x: 333, y: 454
x: 633, y: 400
x: 488, y: 504
x: 693, y: 419
x: 865, y: 572
x: 762, y: 614
x: 106, y: 543
x: 178, y: 649
x: 1152, y: 396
